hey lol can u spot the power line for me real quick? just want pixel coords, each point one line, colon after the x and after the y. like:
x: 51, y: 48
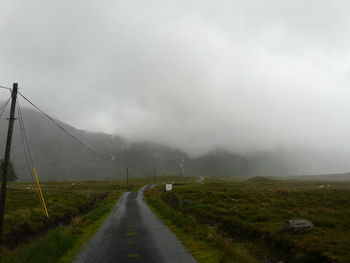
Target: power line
x: 2, y: 87
x: 24, y: 140
x: 29, y: 161
x: 65, y: 130
x: 137, y: 171
x: 3, y: 107
x: 20, y: 115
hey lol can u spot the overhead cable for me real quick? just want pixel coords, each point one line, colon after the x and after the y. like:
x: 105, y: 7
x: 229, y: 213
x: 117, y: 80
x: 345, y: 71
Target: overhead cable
x: 2, y: 87
x: 24, y: 140
x: 65, y: 130
x: 3, y: 107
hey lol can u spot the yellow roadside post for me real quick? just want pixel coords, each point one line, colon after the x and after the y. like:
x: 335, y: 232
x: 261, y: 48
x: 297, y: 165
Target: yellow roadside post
x: 40, y: 193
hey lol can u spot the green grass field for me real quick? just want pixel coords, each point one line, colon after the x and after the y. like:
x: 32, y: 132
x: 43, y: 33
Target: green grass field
x: 219, y: 221
x: 251, y: 215
x: 66, y: 200
x: 76, y: 210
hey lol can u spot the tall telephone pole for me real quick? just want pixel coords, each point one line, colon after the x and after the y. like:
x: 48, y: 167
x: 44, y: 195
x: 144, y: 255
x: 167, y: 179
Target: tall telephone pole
x: 154, y: 175
x: 5, y: 164
x: 127, y: 176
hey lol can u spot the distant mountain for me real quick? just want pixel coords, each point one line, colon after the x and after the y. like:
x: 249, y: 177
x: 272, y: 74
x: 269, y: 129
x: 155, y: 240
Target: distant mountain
x: 323, y: 177
x: 58, y: 157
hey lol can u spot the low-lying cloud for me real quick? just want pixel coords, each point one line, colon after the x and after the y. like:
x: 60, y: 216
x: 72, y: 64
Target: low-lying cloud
x: 244, y: 76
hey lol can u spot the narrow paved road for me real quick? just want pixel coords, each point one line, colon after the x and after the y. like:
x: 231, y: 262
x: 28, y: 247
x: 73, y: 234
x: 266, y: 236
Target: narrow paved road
x: 132, y: 233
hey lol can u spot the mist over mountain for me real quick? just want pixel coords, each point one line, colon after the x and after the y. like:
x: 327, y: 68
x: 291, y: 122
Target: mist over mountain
x: 59, y: 157
x: 264, y: 79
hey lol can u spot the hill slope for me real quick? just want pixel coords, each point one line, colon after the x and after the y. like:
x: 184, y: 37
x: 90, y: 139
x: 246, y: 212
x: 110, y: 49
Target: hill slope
x: 58, y: 157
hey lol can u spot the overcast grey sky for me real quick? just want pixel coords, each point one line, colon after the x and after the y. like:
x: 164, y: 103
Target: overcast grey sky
x: 240, y: 75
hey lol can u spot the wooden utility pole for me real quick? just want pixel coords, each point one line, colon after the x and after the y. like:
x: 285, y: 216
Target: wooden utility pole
x: 127, y: 176
x: 5, y: 164
x: 154, y: 176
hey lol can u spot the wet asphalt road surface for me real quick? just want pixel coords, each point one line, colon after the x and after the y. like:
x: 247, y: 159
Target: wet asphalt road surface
x: 132, y: 233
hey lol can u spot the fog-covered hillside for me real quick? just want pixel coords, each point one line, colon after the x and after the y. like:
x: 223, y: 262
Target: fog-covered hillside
x: 58, y: 157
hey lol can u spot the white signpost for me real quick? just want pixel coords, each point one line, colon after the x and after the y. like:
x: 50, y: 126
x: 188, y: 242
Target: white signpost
x: 169, y: 187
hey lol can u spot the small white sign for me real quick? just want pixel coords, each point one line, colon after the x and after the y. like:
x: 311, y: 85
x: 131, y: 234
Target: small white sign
x: 168, y: 187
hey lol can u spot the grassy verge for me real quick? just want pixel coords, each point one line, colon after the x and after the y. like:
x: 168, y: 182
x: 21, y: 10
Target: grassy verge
x: 254, y: 213
x: 24, y: 219
x: 204, y: 242
x: 63, y: 243
x: 76, y: 209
